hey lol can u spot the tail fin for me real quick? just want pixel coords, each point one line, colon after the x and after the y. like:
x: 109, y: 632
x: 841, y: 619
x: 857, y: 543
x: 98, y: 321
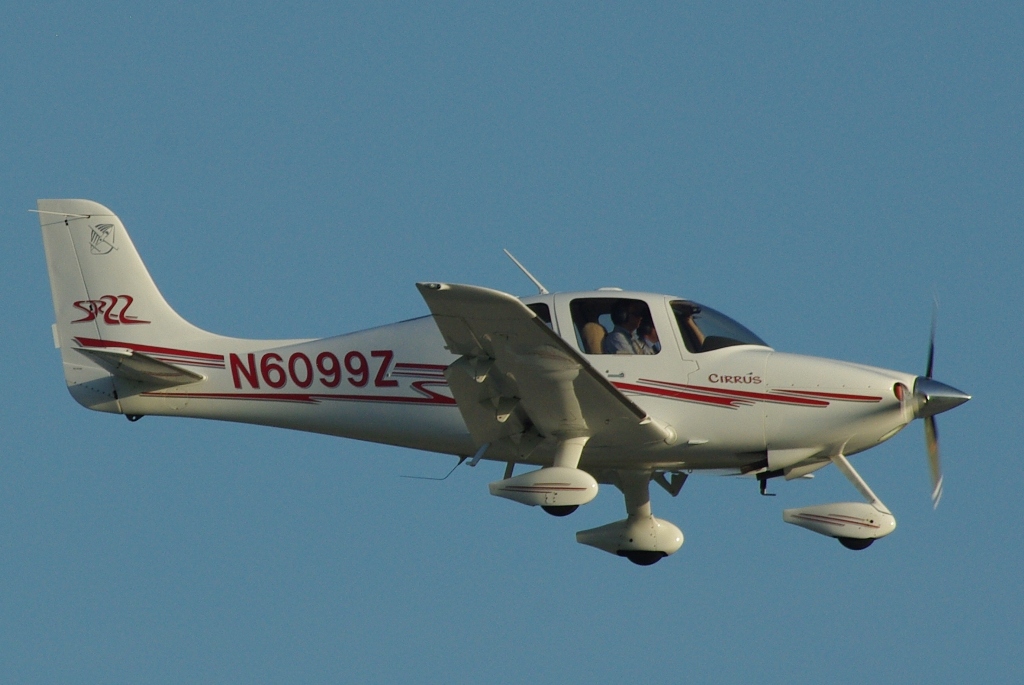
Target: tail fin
x: 106, y: 305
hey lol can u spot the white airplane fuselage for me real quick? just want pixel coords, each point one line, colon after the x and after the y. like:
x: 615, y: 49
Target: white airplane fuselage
x: 730, y: 407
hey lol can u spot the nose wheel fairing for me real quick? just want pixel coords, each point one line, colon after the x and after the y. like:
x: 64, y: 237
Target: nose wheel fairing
x: 855, y: 524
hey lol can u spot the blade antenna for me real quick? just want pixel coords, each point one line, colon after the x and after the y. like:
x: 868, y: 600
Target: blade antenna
x: 540, y: 288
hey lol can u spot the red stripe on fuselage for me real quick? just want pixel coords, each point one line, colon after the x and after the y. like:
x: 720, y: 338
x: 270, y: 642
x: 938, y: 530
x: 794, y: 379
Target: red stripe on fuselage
x: 832, y: 395
x: 731, y: 403
x: 425, y: 367
x: 431, y: 398
x: 744, y: 394
x: 149, y: 349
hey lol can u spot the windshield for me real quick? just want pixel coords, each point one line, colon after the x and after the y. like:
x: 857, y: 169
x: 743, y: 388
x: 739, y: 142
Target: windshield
x: 705, y: 329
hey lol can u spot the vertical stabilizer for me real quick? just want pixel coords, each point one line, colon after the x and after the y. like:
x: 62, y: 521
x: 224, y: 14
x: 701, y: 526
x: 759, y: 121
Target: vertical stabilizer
x: 103, y: 296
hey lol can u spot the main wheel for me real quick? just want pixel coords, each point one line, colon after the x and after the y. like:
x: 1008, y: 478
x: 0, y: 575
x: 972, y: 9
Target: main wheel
x: 641, y: 557
x: 856, y: 543
x: 560, y: 510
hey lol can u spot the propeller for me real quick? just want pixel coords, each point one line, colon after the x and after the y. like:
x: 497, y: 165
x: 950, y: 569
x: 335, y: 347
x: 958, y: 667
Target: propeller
x: 931, y: 398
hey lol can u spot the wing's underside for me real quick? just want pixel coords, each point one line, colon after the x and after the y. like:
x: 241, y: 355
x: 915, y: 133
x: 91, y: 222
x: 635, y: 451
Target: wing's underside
x: 517, y: 382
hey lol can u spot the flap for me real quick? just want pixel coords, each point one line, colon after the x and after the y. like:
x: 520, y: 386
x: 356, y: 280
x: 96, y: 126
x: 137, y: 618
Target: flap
x: 515, y: 373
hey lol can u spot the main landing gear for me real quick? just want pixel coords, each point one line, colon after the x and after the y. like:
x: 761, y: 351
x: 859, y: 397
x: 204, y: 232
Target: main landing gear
x: 561, y: 488
x: 640, y: 537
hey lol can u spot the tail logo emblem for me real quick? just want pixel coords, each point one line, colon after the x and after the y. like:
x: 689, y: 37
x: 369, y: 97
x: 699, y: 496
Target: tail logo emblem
x: 107, y: 308
x: 101, y: 239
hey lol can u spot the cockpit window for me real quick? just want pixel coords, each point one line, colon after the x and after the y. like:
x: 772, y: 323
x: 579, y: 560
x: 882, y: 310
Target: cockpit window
x: 542, y: 312
x: 614, y: 325
x: 705, y: 329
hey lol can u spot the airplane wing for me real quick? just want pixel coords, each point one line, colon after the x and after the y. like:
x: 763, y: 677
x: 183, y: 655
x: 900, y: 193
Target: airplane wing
x: 141, y: 368
x: 515, y: 374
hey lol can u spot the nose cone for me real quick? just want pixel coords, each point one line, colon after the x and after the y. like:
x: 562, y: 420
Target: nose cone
x: 934, y: 397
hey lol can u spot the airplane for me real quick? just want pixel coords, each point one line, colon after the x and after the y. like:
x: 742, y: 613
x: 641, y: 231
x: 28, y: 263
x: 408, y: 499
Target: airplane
x: 589, y: 388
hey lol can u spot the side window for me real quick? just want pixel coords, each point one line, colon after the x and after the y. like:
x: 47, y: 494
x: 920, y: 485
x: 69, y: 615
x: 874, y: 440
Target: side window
x: 542, y: 311
x: 614, y: 325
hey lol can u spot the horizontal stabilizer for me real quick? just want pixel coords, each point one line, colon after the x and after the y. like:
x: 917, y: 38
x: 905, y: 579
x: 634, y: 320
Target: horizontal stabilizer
x: 141, y: 368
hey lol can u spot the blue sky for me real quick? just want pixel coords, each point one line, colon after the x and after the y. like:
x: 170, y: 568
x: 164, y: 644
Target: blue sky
x: 819, y: 172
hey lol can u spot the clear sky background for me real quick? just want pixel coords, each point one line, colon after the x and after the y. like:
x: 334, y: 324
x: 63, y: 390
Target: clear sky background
x: 817, y: 171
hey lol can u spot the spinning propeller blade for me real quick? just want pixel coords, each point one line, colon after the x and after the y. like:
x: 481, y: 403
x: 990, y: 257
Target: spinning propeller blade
x: 931, y: 429
x: 931, y: 345
x: 933, y: 397
x: 931, y: 439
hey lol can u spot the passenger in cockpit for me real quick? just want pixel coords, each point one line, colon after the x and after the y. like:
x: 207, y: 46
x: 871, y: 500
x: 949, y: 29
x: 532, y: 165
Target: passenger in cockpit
x: 648, y: 337
x: 626, y: 316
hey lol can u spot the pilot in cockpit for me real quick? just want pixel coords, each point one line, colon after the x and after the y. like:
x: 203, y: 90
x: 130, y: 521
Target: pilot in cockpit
x: 692, y: 334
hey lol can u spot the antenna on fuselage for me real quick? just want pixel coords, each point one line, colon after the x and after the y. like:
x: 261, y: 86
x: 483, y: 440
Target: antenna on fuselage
x: 540, y: 288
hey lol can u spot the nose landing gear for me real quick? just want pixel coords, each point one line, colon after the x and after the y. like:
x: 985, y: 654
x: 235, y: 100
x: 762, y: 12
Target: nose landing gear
x: 855, y: 524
